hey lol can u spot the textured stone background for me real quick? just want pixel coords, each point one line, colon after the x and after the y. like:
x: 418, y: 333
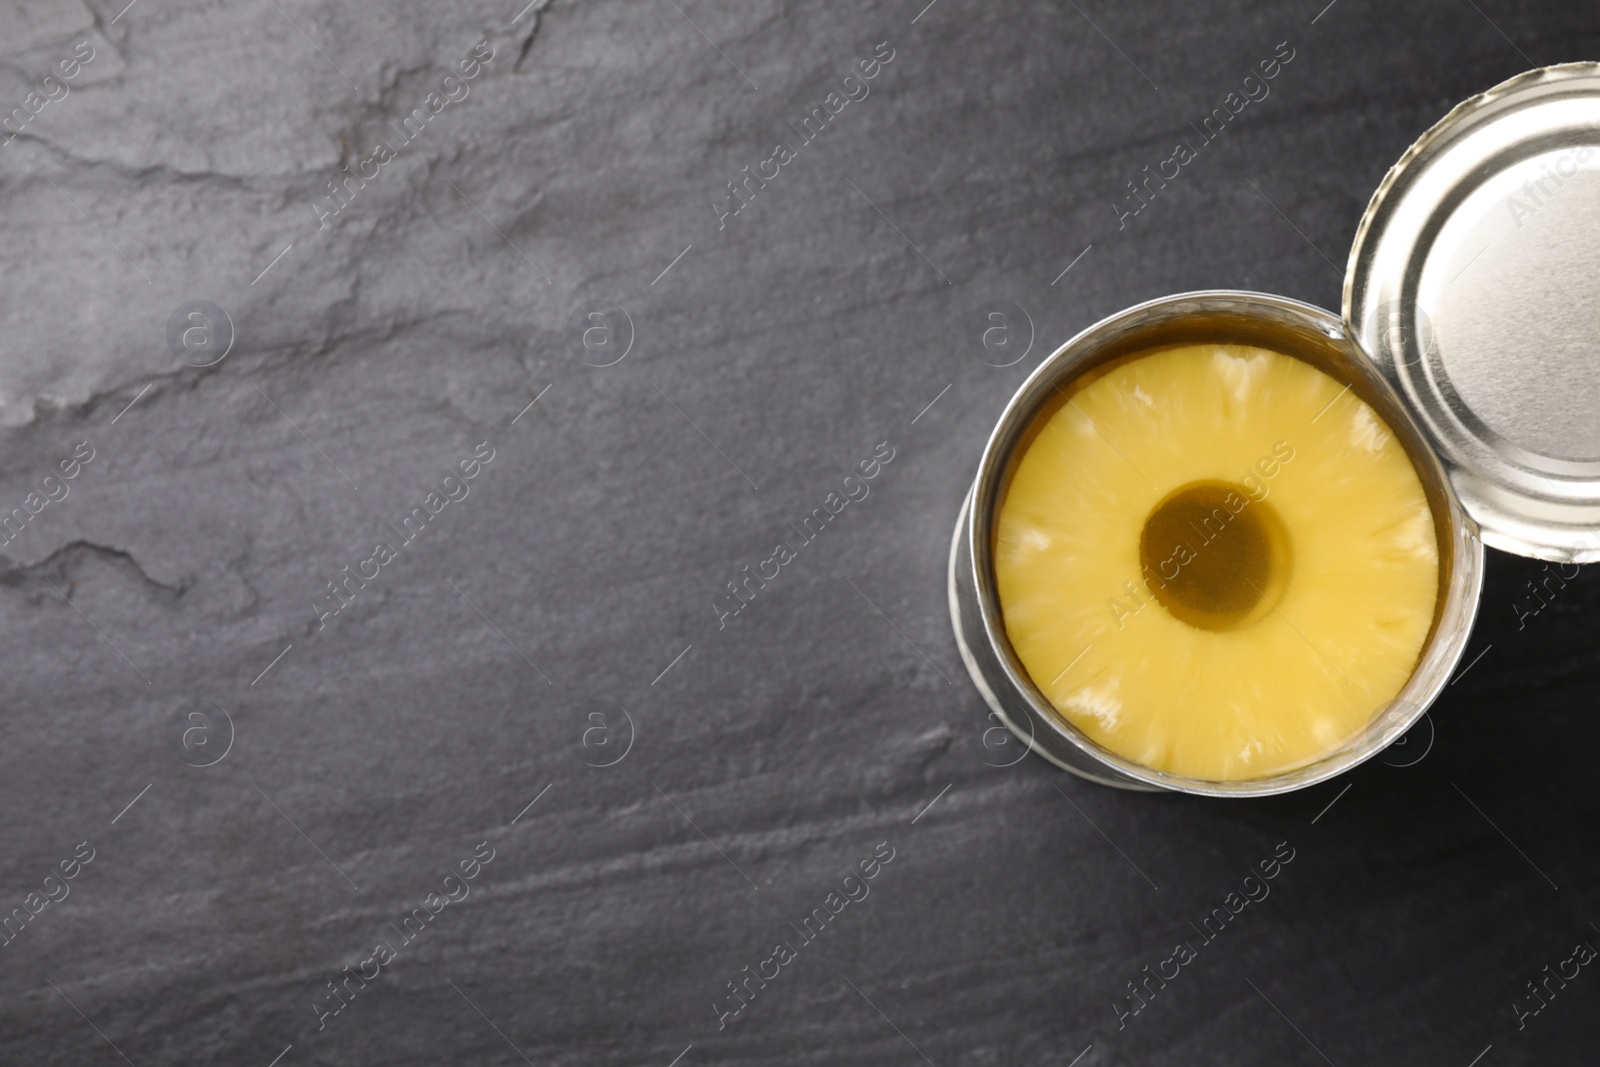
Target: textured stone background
x: 524, y: 634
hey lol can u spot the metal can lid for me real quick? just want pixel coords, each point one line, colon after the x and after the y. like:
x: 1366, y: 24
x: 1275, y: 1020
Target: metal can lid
x: 1474, y: 284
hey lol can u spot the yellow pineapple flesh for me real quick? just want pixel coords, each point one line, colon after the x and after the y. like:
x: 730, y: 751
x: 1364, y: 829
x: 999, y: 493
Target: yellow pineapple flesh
x: 1216, y: 561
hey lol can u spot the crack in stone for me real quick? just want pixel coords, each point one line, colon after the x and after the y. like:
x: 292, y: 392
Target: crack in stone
x: 65, y: 566
x: 533, y: 32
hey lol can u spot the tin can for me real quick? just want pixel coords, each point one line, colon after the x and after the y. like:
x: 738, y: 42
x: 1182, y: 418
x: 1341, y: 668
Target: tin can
x: 1468, y: 324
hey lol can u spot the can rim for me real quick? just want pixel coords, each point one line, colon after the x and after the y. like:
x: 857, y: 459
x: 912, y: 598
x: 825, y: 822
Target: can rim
x: 1438, y: 656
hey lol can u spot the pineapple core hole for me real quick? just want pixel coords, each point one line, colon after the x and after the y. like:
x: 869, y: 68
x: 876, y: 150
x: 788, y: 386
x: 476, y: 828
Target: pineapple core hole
x: 1213, y: 557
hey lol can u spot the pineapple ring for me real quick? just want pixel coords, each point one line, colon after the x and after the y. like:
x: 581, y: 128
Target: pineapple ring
x: 1141, y: 636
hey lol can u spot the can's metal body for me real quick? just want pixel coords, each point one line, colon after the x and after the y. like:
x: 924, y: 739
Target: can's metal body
x: 1226, y: 317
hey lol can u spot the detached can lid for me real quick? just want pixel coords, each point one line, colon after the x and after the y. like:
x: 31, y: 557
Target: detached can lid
x: 1474, y: 284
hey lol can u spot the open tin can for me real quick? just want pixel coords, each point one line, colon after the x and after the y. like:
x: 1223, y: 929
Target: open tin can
x: 1470, y: 320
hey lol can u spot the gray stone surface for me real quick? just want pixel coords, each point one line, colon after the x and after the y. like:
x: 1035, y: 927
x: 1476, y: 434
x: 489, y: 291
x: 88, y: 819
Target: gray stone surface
x: 526, y: 634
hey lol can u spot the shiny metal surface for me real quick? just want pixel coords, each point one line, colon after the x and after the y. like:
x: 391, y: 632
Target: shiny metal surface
x: 1278, y: 323
x: 1472, y: 284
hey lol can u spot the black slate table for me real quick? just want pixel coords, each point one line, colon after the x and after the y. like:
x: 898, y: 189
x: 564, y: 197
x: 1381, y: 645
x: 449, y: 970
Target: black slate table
x: 263, y: 746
